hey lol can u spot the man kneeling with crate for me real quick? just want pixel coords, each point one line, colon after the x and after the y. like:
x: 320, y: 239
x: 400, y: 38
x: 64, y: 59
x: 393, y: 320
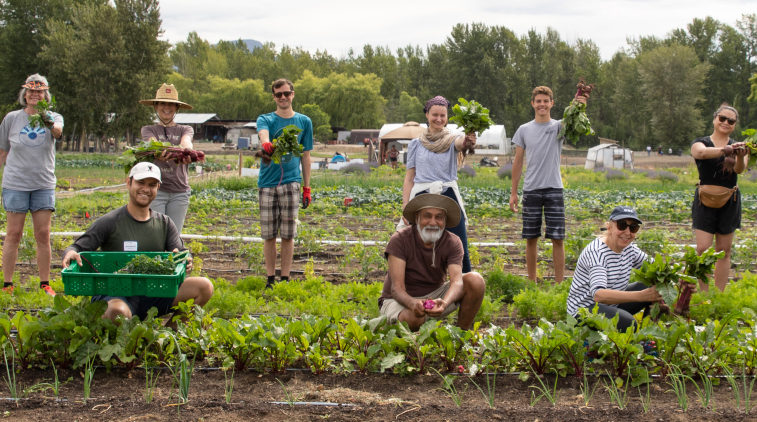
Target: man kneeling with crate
x: 135, y: 228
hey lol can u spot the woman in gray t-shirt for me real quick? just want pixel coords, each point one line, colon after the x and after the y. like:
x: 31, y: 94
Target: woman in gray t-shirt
x: 28, y: 153
x: 433, y: 158
x: 173, y: 196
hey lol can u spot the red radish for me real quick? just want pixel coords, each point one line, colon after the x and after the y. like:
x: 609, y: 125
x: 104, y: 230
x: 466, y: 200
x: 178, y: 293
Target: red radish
x: 728, y: 150
x: 429, y: 304
x: 682, y: 304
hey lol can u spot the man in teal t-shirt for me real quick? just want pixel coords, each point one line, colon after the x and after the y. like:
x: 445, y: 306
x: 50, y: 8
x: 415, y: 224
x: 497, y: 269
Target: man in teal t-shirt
x: 279, y: 184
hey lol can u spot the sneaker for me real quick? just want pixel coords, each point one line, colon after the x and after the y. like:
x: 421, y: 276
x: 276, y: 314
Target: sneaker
x: 49, y: 290
x: 8, y: 289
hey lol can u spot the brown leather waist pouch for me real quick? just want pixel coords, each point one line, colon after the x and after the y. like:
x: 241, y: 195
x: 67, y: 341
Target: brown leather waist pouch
x: 713, y: 196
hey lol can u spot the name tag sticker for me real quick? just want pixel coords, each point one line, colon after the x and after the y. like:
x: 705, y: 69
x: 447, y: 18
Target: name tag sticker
x: 130, y: 246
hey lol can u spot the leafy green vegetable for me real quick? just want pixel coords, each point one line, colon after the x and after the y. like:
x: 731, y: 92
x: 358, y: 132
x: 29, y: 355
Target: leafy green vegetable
x: 287, y: 143
x: 661, y: 273
x: 145, y: 151
x: 142, y: 264
x: 700, y: 267
x: 42, y: 107
x: 751, y: 143
x: 575, y: 123
x: 471, y: 116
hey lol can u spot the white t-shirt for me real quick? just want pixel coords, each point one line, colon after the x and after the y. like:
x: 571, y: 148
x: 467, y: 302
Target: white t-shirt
x: 31, y: 153
x: 543, y: 151
x: 599, y: 267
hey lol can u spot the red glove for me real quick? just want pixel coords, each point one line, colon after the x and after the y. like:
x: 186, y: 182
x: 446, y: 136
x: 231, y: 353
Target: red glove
x: 306, y: 198
x: 268, y: 147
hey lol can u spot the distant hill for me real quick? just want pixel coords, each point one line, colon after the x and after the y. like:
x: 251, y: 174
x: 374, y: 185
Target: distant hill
x: 252, y: 44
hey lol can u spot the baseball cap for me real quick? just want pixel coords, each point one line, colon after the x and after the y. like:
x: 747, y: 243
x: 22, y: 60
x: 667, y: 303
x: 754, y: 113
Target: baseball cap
x: 144, y: 170
x: 622, y: 212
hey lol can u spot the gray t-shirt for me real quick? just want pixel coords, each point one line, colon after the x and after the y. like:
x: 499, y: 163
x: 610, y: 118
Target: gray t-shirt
x: 543, y: 151
x: 432, y: 166
x: 31, y: 153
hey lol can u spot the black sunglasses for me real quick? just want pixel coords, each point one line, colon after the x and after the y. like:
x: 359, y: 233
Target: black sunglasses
x: 283, y: 93
x: 622, y: 225
x: 724, y: 119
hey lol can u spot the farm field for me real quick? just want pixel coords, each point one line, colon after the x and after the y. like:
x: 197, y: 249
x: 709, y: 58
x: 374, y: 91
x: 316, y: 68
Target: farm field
x: 318, y: 339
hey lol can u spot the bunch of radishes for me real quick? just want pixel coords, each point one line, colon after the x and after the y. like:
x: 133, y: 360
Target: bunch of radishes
x: 584, y: 89
x: 729, y: 163
x: 148, y: 150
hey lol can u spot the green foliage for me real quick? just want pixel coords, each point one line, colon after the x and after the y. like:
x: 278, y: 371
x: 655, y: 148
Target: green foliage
x: 287, y: 143
x: 471, y: 116
x: 548, y: 301
x: 42, y: 107
x: 505, y: 286
x: 700, y: 267
x: 143, y: 264
x: 661, y: 273
x: 575, y: 123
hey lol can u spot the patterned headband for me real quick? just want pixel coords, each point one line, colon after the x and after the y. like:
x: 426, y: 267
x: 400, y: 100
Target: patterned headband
x: 40, y: 86
x: 438, y: 100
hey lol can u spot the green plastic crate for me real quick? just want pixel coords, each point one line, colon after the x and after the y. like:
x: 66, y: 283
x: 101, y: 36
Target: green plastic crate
x: 84, y: 281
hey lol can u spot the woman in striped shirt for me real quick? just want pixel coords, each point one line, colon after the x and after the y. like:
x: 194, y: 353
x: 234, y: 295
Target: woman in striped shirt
x: 604, y: 269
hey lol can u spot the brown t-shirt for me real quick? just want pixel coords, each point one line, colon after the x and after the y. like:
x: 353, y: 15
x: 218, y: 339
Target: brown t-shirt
x: 420, y: 277
x: 393, y: 153
x: 175, y: 177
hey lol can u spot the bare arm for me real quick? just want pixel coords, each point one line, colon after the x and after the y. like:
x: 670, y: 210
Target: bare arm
x: 263, y: 136
x: 186, y: 142
x: 407, y: 186
x: 702, y: 152
x: 742, y: 158
x: 460, y: 141
x: 614, y: 297
x: 517, y: 172
x: 397, y: 273
x: 56, y: 130
x: 305, y: 161
x: 3, y: 157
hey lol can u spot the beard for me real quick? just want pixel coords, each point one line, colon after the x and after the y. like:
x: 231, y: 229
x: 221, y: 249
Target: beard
x: 430, y: 234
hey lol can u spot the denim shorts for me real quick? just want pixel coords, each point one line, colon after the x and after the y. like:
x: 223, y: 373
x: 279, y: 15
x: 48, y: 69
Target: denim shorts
x: 32, y: 201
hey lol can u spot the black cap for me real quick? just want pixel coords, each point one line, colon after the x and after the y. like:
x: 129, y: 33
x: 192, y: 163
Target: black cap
x: 622, y: 212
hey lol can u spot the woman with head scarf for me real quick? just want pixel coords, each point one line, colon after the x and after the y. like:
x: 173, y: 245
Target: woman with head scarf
x: 28, y: 153
x: 432, y: 163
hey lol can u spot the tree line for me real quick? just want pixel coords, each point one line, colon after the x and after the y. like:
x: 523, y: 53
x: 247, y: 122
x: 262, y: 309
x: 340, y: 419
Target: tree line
x: 655, y: 91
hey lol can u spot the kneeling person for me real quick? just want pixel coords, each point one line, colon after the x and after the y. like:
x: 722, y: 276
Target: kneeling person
x: 134, y: 227
x: 421, y: 257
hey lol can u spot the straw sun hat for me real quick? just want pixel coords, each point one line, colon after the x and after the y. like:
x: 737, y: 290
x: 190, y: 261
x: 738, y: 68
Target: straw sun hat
x: 166, y: 94
x: 430, y: 200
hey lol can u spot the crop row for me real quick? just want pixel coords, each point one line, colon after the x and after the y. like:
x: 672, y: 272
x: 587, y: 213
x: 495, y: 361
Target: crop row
x: 75, y: 335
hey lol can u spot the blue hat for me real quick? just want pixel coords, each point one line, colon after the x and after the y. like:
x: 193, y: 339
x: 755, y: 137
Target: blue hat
x: 622, y: 212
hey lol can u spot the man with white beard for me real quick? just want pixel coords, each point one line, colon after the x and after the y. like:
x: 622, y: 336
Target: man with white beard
x: 421, y: 259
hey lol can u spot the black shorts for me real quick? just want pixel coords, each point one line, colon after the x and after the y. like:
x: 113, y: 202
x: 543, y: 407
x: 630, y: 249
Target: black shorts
x: 392, y: 159
x: 139, y: 305
x: 723, y: 220
x: 551, y: 202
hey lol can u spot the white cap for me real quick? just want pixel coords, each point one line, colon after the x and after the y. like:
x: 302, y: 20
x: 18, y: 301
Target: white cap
x: 144, y: 170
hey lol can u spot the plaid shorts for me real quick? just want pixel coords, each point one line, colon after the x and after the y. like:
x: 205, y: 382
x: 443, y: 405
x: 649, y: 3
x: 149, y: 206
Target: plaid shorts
x: 278, y: 210
x: 552, y: 203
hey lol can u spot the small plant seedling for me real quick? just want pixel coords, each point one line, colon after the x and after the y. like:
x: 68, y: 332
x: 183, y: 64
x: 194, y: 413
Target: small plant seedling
x: 448, y: 386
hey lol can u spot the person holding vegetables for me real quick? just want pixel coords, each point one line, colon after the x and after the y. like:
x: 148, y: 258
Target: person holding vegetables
x: 432, y: 163
x: 279, y: 180
x: 543, y: 188
x: 420, y: 259
x: 716, y: 209
x: 604, y: 269
x: 136, y: 227
x: 173, y: 196
x: 27, y: 149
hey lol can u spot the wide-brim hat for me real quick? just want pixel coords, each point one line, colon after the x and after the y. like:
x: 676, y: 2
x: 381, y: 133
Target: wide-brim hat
x: 430, y: 200
x: 166, y: 94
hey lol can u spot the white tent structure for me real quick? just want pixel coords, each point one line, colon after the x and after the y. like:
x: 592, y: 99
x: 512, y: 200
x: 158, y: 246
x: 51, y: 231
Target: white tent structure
x: 492, y: 141
x: 609, y: 156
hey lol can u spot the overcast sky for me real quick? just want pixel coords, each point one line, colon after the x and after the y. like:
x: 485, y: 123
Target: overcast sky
x: 337, y: 26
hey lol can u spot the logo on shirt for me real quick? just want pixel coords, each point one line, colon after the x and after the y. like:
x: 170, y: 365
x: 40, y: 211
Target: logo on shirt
x: 32, y: 137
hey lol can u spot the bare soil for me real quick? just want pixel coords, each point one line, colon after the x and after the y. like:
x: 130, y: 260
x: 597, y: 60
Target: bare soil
x: 119, y: 396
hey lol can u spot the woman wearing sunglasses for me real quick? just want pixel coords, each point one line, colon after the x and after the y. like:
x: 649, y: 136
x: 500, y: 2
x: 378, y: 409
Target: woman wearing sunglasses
x: 716, y: 210
x: 604, y: 270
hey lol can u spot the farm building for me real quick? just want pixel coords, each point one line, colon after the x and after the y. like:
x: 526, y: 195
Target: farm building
x: 609, y: 155
x: 199, y: 122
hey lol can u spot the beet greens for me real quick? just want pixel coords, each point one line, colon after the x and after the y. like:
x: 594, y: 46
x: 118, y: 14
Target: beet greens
x: 575, y: 123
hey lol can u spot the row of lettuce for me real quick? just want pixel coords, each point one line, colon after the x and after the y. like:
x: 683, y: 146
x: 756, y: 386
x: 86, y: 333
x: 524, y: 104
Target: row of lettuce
x: 70, y: 335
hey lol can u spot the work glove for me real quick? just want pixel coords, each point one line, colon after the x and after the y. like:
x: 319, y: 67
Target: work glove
x: 47, y: 118
x: 268, y: 147
x: 306, y: 198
